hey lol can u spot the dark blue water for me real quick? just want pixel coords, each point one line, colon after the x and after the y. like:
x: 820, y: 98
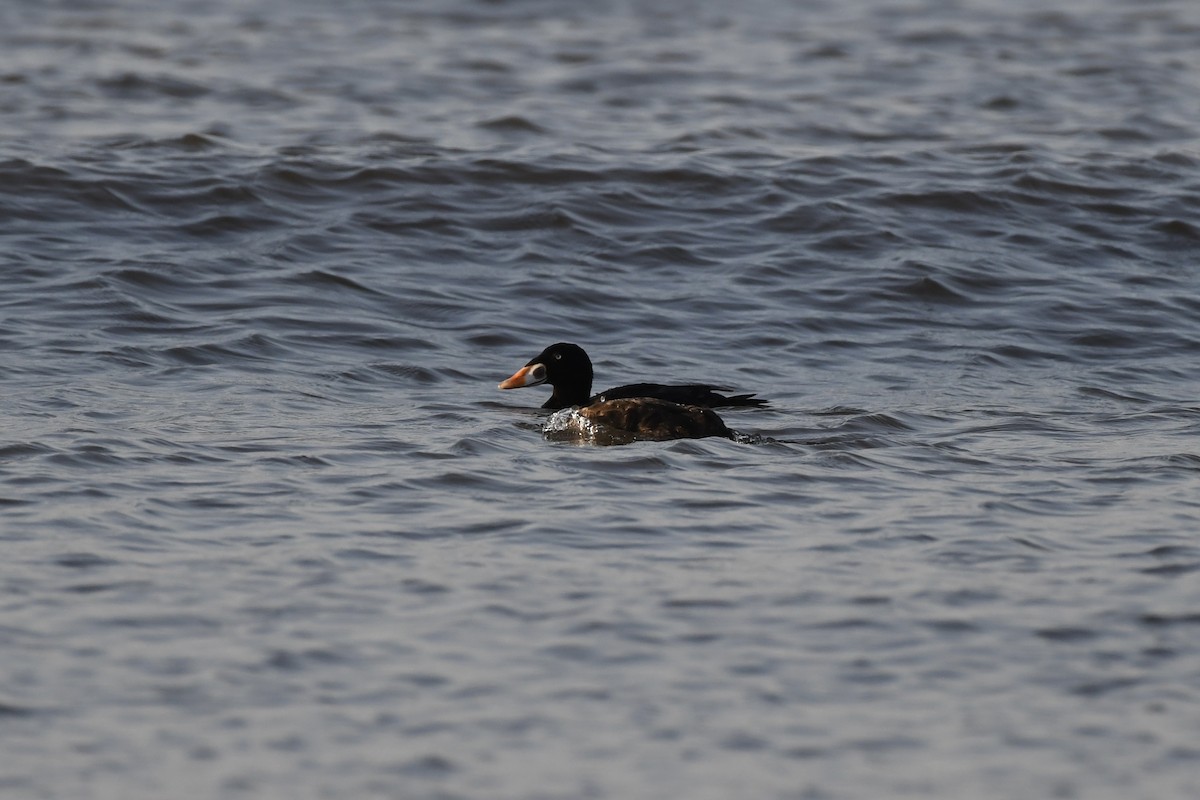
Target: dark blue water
x: 270, y: 531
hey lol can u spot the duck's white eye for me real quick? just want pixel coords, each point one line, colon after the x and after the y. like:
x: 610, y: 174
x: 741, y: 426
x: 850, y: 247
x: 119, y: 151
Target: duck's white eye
x: 558, y: 356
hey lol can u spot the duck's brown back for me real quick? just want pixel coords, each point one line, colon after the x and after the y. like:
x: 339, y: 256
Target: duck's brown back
x: 656, y: 420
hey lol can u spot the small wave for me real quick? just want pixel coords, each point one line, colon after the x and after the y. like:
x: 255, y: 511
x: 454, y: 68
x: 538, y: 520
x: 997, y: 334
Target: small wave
x: 511, y: 124
x: 252, y: 347
x: 184, y: 143
x: 1179, y: 228
x: 132, y: 85
x: 229, y: 225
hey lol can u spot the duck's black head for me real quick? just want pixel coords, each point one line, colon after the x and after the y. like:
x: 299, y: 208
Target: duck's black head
x: 565, y: 367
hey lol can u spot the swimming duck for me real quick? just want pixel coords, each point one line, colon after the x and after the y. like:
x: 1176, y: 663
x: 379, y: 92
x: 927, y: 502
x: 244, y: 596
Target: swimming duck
x: 647, y: 410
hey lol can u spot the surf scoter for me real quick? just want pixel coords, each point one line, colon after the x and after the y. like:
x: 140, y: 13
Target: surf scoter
x: 648, y: 410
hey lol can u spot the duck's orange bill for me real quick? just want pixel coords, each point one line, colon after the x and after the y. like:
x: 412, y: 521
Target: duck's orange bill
x: 517, y: 380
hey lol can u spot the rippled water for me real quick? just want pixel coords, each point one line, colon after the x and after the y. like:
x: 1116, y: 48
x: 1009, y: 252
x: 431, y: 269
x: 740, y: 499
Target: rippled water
x: 269, y: 529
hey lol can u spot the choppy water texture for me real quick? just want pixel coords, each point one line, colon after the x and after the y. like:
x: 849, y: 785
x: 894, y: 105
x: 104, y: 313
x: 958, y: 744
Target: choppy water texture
x: 270, y: 531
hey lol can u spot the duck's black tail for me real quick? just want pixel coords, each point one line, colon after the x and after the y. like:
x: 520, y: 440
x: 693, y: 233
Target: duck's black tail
x: 742, y: 400
x: 688, y: 394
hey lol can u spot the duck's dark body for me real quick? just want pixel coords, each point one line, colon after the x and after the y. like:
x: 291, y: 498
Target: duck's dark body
x: 649, y: 410
x: 658, y: 420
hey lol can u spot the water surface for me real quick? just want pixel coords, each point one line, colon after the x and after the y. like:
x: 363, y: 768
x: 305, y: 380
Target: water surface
x: 270, y: 531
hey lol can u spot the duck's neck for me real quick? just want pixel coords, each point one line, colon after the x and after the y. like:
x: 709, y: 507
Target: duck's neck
x: 563, y: 396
